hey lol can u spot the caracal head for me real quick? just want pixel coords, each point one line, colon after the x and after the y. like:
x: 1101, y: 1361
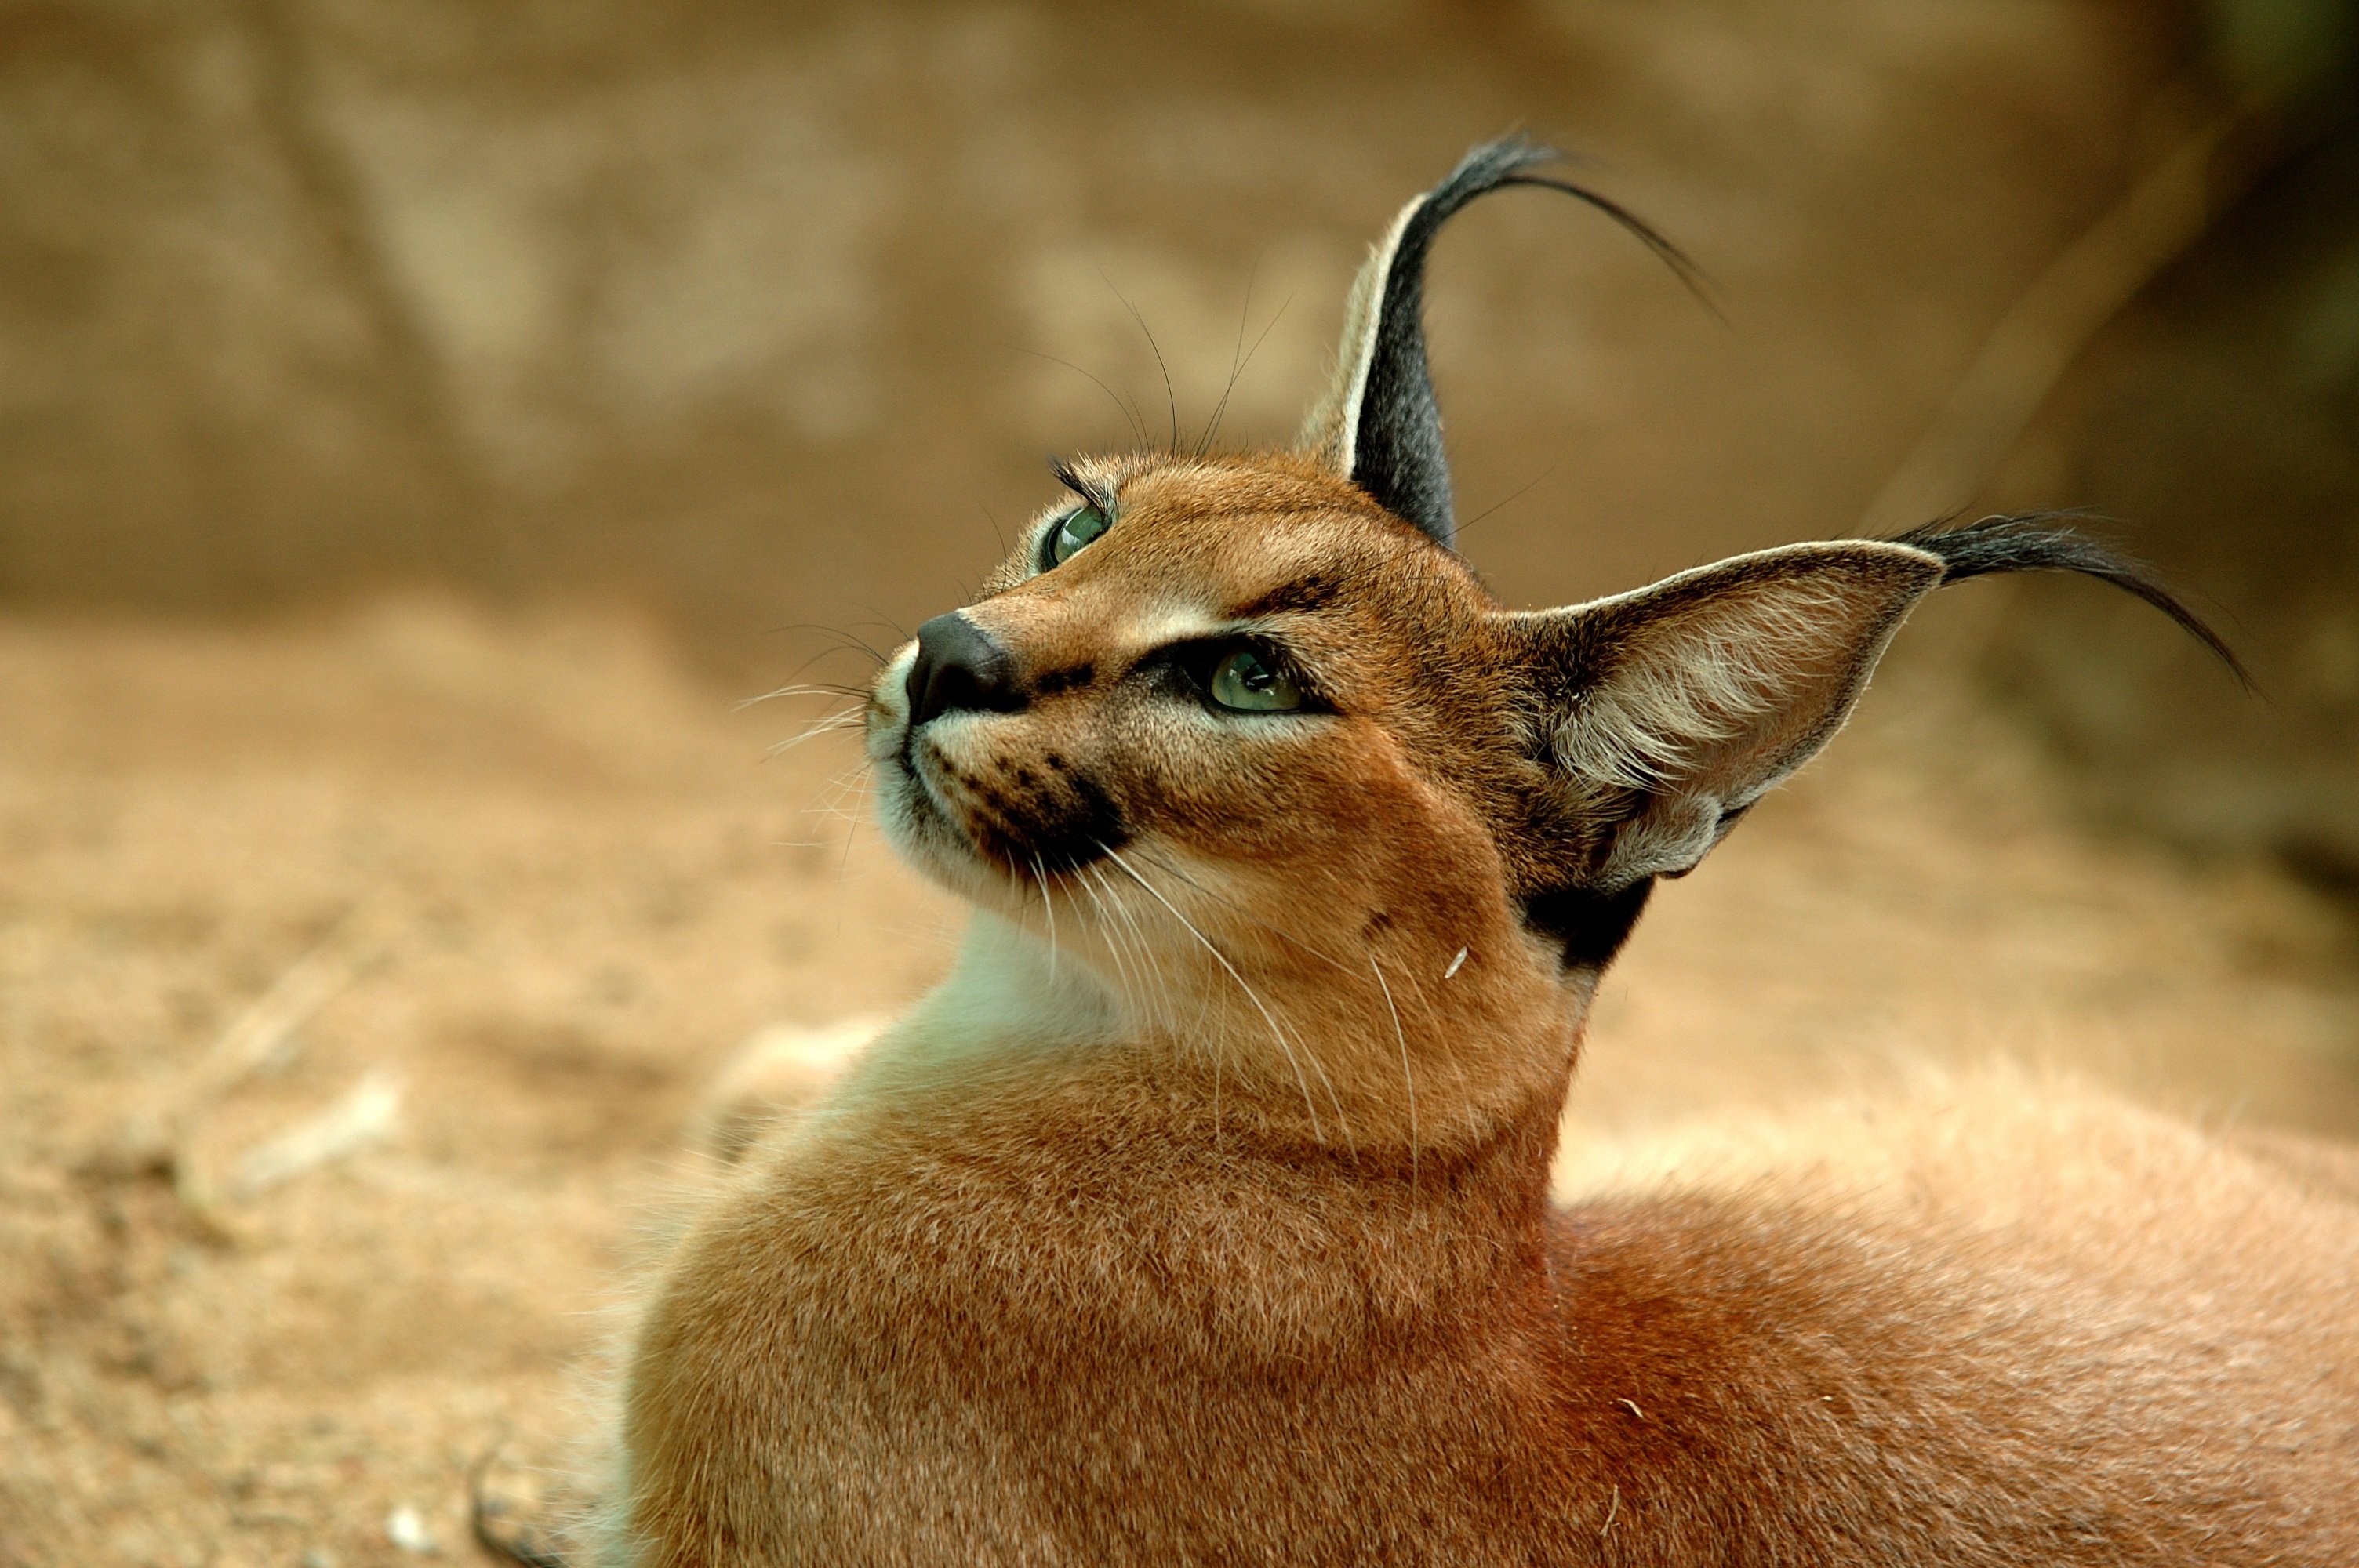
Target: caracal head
x: 1243, y: 744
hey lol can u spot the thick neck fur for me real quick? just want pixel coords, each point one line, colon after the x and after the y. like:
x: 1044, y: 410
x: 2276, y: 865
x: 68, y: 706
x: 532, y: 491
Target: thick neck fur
x: 1206, y: 1200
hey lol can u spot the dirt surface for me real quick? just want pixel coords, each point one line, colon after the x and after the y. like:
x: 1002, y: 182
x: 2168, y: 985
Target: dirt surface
x: 537, y: 883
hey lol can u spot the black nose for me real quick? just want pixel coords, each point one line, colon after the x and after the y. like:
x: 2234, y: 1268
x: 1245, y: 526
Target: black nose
x: 958, y: 666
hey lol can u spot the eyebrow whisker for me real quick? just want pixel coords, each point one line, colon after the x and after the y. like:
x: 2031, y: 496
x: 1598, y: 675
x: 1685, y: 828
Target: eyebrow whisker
x: 1093, y: 491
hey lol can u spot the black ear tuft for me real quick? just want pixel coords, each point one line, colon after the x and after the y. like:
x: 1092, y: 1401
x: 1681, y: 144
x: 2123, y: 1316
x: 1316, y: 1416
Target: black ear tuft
x: 2040, y: 541
x: 1379, y: 425
x: 1397, y: 451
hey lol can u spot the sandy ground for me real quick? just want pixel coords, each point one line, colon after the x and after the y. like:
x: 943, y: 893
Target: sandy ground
x: 509, y: 893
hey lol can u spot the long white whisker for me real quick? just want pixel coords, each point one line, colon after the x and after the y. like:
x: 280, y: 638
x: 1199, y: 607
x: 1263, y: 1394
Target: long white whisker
x: 842, y: 783
x: 852, y: 828
x: 839, y: 693
x: 848, y: 720
x: 1146, y: 950
x: 1251, y: 995
x: 1049, y: 908
x: 1279, y: 932
x: 1214, y: 1042
x: 1407, y: 1082
x: 1433, y: 1025
x: 1115, y: 948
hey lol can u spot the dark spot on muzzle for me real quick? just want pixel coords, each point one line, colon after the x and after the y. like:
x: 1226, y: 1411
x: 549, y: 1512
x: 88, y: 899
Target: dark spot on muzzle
x: 1030, y: 824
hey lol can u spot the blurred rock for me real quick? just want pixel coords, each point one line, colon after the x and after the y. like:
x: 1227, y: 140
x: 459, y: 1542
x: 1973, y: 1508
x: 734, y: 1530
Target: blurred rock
x: 406, y: 1529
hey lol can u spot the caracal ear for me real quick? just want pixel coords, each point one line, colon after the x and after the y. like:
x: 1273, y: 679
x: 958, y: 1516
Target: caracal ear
x: 1670, y: 710
x: 1377, y: 425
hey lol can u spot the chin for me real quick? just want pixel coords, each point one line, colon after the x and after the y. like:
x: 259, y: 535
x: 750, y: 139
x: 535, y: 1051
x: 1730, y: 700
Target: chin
x: 924, y: 831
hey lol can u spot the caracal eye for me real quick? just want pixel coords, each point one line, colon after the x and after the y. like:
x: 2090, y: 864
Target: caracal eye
x: 1247, y: 682
x: 1078, y: 528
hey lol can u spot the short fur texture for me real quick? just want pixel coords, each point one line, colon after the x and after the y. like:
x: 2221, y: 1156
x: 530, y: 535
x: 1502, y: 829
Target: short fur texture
x: 1202, y: 1216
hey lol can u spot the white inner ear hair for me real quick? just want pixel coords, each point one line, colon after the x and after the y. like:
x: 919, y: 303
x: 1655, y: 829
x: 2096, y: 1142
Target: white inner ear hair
x: 1726, y: 698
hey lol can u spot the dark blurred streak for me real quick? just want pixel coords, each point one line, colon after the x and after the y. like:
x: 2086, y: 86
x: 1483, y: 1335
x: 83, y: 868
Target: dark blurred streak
x: 405, y: 369
x: 2220, y: 416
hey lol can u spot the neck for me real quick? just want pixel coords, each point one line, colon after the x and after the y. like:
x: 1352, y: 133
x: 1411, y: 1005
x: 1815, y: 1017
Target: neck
x: 1404, y: 1062
x: 1017, y: 1111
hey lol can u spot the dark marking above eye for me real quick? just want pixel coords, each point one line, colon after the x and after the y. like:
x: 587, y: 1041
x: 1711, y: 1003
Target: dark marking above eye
x: 1093, y: 492
x: 1050, y: 683
x: 1305, y: 594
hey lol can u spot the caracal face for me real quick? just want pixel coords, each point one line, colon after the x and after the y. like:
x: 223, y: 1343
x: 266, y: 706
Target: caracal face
x: 1237, y: 686
x: 1224, y: 734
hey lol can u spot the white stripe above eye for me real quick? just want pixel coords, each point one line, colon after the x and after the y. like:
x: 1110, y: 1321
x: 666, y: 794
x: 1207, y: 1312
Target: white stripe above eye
x: 1176, y: 623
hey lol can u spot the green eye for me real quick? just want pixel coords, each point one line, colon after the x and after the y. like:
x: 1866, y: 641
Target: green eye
x: 1250, y: 683
x: 1078, y: 528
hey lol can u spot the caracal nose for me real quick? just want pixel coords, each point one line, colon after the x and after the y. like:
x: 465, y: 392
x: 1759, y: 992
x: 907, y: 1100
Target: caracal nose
x: 958, y: 666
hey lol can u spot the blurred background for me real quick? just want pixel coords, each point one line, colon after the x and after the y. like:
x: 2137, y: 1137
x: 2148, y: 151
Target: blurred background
x: 420, y: 423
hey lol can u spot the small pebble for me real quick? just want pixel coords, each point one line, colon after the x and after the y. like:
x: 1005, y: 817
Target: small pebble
x: 407, y: 1531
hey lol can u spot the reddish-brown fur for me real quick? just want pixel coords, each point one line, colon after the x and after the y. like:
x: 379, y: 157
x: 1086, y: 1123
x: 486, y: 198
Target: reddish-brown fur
x: 1203, y: 1217
x: 1144, y: 1244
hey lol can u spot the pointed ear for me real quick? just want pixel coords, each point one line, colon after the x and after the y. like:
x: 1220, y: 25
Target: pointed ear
x: 1378, y: 425
x: 1672, y: 710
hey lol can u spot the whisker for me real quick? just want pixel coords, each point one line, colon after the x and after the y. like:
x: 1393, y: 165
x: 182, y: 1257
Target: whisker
x: 1102, y: 899
x: 1281, y: 933
x: 1235, y: 908
x: 842, y: 785
x: 1513, y: 495
x: 1130, y: 412
x: 1140, y: 953
x: 1113, y: 939
x: 1169, y: 396
x: 843, y: 640
x: 1434, y: 1026
x: 810, y: 690
x: 831, y: 724
x: 1143, y: 950
x: 1407, y: 1082
x: 1236, y: 361
x: 1047, y: 907
x: 1236, y: 373
x: 1251, y: 995
x: 851, y: 832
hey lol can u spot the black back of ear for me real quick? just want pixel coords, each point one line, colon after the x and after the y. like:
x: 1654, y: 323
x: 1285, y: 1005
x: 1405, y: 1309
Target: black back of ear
x: 1379, y: 425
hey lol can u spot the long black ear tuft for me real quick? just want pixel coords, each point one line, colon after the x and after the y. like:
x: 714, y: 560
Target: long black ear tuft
x: 2040, y: 541
x: 1379, y: 425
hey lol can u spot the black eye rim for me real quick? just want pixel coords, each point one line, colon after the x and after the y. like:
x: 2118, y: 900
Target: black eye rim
x: 1196, y: 660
